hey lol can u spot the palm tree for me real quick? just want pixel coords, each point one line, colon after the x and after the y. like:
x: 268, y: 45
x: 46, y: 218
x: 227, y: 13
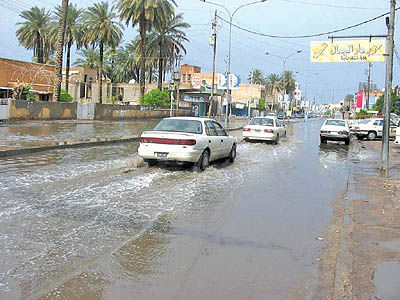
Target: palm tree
x: 145, y: 13
x: 89, y: 58
x: 168, y: 37
x: 100, y: 28
x: 273, y: 83
x: 33, y: 32
x: 287, y: 82
x: 72, y: 33
x: 257, y: 76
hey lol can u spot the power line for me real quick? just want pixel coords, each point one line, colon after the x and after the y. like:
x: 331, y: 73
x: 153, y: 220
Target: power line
x: 333, y: 6
x: 306, y: 36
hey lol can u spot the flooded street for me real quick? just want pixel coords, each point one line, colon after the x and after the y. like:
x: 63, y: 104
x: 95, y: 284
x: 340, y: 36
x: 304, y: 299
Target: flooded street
x: 94, y: 223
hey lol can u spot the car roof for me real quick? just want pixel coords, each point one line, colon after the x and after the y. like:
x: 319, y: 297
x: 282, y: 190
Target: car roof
x: 191, y: 118
x: 265, y: 117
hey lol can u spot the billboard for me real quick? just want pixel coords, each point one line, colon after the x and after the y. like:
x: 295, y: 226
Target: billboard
x: 196, y: 82
x: 348, y: 51
x: 360, y: 100
x: 222, y: 82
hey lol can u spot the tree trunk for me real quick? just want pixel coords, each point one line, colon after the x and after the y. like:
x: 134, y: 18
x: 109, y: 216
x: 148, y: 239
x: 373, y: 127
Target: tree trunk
x: 39, y: 47
x: 101, y: 72
x: 142, y: 29
x: 68, y: 65
x: 59, y: 49
x: 151, y: 74
x: 160, y: 69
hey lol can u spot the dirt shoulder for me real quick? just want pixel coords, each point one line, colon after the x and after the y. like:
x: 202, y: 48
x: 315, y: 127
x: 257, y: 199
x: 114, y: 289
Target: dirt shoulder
x: 365, y: 221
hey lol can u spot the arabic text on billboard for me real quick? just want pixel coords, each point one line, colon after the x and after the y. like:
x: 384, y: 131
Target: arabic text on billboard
x: 348, y: 51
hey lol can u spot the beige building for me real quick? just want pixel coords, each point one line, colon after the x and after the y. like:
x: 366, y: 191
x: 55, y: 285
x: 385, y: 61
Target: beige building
x: 83, y: 87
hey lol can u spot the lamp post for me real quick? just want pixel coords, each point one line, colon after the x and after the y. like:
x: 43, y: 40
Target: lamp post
x: 285, y: 58
x: 231, y: 15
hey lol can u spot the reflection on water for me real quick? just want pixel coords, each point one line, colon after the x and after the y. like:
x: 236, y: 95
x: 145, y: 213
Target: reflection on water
x: 34, y: 134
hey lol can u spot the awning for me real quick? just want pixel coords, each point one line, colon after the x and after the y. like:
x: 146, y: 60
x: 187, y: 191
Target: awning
x: 39, y: 92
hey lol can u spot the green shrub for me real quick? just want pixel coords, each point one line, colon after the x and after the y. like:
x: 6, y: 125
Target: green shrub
x: 363, y: 114
x: 65, y: 97
x: 261, y: 104
x: 156, y: 97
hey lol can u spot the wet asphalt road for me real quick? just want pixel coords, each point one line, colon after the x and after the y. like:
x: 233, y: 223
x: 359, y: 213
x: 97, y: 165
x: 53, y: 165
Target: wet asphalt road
x: 94, y: 224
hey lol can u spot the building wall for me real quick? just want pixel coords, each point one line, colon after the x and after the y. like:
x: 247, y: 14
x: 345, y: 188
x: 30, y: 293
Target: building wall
x: 187, y: 72
x: 41, y: 110
x: 243, y: 93
x: 39, y: 76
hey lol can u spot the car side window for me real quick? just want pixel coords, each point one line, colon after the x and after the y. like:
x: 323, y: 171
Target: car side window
x: 278, y: 124
x: 220, y: 130
x: 210, y: 129
x: 378, y: 123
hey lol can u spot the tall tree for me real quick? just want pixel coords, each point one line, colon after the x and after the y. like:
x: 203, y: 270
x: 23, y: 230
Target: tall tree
x: 272, y: 83
x: 89, y: 58
x: 258, y: 77
x: 60, y: 47
x: 287, y: 82
x: 168, y: 36
x: 33, y: 32
x: 72, y: 33
x: 144, y: 13
x: 101, y: 29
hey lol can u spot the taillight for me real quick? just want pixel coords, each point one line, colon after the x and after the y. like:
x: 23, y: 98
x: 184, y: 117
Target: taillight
x: 184, y: 142
x: 323, y: 131
x: 246, y: 129
x: 268, y: 130
x: 344, y: 132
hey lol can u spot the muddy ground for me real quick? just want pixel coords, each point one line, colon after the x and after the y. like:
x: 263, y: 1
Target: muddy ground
x: 364, y: 233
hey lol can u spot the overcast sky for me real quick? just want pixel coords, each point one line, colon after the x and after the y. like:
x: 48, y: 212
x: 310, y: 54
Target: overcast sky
x: 276, y: 17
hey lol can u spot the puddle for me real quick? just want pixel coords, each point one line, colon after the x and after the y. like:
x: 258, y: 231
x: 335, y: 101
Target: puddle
x: 387, y: 281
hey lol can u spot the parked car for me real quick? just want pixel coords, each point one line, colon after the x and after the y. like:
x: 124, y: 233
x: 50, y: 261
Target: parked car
x: 397, y: 140
x: 281, y: 115
x: 372, y: 128
x: 271, y: 115
x: 187, y: 140
x: 264, y: 129
x: 335, y: 130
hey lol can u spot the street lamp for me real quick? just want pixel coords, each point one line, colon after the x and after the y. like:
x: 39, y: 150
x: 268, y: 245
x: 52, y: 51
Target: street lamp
x: 231, y: 15
x: 285, y: 58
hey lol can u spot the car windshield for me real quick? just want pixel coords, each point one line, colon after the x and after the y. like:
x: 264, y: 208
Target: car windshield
x: 179, y: 125
x: 262, y: 122
x: 335, y: 123
x: 366, y: 121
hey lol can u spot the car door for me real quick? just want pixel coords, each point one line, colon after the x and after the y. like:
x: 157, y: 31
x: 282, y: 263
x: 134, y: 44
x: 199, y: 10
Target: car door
x: 279, y: 128
x: 214, y: 141
x: 378, y: 127
x: 225, y: 141
x: 393, y: 128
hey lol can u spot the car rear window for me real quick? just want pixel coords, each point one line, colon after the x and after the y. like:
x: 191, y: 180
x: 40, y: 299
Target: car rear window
x: 262, y: 122
x: 178, y: 125
x: 336, y: 123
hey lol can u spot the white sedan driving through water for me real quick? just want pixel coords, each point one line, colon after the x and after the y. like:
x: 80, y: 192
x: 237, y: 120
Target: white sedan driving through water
x: 187, y: 140
x: 264, y: 129
x: 335, y: 130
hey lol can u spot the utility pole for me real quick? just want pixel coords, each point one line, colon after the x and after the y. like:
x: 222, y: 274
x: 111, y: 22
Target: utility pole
x: 388, y: 89
x: 251, y: 91
x: 214, y: 44
x: 369, y: 83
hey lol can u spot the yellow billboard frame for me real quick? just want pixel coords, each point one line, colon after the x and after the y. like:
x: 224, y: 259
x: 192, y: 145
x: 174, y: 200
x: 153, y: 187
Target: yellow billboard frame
x: 348, y: 51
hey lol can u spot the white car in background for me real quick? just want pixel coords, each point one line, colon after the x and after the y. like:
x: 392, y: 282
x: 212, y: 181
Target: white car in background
x: 373, y: 128
x: 335, y: 130
x: 187, y: 140
x: 264, y: 129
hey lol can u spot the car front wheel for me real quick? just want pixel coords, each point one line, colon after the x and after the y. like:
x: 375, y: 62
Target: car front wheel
x: 323, y: 140
x: 151, y: 162
x: 347, y: 141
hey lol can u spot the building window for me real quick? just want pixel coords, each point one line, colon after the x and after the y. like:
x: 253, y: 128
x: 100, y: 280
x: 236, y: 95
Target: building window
x: 189, y: 77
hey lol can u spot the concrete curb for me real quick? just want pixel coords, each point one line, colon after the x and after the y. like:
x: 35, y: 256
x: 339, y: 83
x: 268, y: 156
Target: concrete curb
x: 67, y: 145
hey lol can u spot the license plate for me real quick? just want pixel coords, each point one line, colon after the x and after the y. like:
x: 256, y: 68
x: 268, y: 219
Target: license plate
x: 257, y: 130
x: 161, y: 155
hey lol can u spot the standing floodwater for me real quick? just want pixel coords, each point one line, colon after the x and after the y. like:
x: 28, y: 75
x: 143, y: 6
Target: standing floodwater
x: 94, y: 224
